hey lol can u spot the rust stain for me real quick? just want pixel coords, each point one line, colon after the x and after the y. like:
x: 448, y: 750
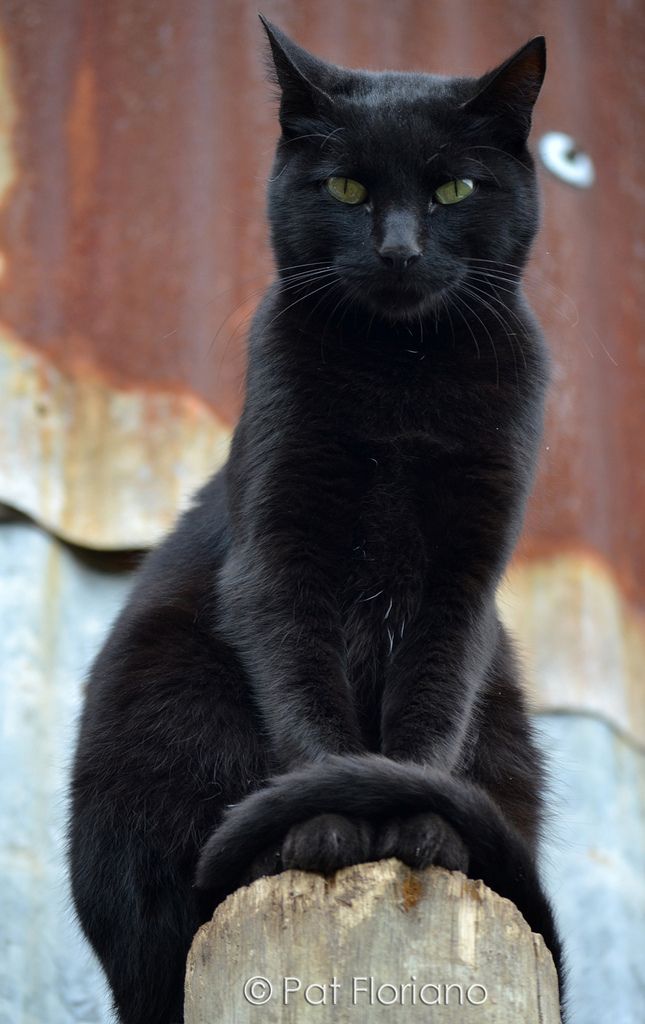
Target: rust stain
x: 96, y: 465
x: 581, y: 641
x: 83, y: 141
x: 8, y: 116
x: 412, y: 891
x: 137, y: 239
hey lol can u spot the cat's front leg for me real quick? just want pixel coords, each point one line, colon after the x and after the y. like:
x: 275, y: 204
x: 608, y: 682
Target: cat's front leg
x: 472, y: 510
x: 289, y: 635
x: 287, y: 632
x: 433, y: 710
x: 278, y: 599
x: 433, y: 680
x: 430, y: 691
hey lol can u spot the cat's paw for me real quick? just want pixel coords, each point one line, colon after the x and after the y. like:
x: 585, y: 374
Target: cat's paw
x: 326, y: 843
x: 421, y: 840
x: 269, y: 862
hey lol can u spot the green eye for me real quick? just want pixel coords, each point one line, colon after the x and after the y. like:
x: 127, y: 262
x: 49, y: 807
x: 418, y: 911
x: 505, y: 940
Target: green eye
x: 454, y: 191
x: 346, y: 190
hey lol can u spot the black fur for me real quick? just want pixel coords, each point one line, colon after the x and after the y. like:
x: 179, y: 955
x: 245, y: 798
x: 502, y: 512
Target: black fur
x: 327, y: 607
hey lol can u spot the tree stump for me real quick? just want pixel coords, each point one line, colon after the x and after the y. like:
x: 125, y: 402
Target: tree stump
x: 376, y: 942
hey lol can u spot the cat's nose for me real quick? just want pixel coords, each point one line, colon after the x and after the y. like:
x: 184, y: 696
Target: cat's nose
x: 399, y: 246
x: 398, y: 257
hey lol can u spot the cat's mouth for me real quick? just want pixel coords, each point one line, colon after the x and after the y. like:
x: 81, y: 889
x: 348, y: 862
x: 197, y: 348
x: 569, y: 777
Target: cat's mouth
x: 404, y: 295
x: 401, y: 302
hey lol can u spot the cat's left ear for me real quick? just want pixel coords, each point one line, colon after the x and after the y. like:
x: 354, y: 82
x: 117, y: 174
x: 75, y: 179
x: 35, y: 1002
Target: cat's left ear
x: 306, y: 83
x: 507, y: 94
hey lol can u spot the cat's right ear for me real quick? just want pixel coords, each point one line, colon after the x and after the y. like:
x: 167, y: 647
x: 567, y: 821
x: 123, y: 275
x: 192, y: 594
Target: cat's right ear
x: 305, y: 81
x: 505, y: 97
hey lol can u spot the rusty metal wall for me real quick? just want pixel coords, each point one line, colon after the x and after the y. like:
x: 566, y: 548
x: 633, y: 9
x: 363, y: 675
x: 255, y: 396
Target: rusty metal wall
x: 135, y: 137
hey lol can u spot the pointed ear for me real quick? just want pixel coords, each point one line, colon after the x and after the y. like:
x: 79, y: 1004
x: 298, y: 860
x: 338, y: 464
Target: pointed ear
x: 506, y: 95
x: 304, y: 80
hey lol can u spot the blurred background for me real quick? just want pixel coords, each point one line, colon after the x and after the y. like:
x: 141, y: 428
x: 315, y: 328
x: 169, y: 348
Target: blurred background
x: 135, y: 139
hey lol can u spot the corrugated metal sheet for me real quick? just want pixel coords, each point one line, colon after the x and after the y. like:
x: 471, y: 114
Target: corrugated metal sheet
x: 593, y: 866
x: 582, y: 642
x: 80, y: 454
x: 55, y: 605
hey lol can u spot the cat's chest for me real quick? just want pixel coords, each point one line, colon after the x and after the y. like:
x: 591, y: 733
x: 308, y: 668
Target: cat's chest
x: 388, y: 564
x: 410, y: 405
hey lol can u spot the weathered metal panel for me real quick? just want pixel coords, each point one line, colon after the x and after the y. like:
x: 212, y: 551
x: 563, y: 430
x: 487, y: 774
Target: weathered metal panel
x: 593, y: 865
x: 582, y: 642
x: 113, y: 464
x: 56, y: 604
x: 54, y: 607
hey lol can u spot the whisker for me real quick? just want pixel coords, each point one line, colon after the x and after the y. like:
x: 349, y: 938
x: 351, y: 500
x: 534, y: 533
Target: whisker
x: 542, y: 282
x: 289, y: 283
x: 286, y: 309
x: 490, y: 337
x: 452, y: 326
x: 484, y: 281
x: 498, y: 263
x: 457, y: 310
x: 324, y: 331
x: 535, y: 287
x: 312, y: 135
x: 476, y: 160
x: 481, y: 296
x: 496, y: 149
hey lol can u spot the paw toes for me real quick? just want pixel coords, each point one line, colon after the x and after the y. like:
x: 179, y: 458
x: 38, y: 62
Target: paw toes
x: 454, y: 853
x: 269, y: 862
x: 422, y: 840
x: 326, y: 843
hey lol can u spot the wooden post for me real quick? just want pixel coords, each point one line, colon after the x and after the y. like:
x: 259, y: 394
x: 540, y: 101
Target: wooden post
x: 377, y: 942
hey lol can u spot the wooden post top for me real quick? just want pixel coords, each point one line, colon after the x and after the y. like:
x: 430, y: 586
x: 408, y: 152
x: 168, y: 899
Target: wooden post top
x: 375, y: 942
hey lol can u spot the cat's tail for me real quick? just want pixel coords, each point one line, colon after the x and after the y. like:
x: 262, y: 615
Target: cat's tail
x: 376, y: 788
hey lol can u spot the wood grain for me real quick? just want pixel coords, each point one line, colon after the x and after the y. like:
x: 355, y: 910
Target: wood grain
x: 375, y: 942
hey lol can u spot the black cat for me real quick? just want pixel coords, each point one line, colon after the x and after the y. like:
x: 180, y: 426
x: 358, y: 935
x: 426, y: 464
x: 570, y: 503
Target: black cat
x: 326, y: 609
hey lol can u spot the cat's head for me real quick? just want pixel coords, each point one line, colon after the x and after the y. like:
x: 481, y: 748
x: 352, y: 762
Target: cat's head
x: 391, y: 185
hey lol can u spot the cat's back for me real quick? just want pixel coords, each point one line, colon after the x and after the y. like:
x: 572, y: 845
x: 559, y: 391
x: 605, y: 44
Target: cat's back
x: 170, y: 608
x: 184, y: 562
